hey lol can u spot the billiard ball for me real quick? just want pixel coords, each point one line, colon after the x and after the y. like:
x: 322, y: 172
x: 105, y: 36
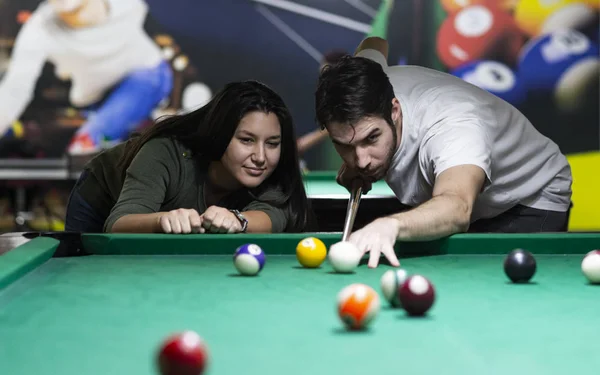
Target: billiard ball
x: 249, y: 259
x: 494, y: 77
x: 344, y: 257
x: 311, y: 252
x: 590, y: 266
x: 357, y: 306
x: 563, y: 67
x: 520, y: 266
x: 416, y: 295
x: 452, y: 6
x: 183, y: 354
x: 391, y: 281
x: 478, y: 32
x: 538, y: 17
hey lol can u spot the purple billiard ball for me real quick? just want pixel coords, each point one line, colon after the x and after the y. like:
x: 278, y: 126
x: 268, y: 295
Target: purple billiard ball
x: 416, y: 295
x: 249, y: 259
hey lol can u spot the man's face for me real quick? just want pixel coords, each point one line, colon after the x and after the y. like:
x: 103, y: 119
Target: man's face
x: 369, y: 146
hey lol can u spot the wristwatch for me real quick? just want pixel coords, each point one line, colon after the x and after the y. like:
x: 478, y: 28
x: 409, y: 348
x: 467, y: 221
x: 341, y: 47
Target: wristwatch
x: 241, y: 218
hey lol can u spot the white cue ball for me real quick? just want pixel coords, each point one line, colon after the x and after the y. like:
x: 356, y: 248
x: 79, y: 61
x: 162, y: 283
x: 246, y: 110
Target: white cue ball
x: 590, y: 266
x: 343, y: 257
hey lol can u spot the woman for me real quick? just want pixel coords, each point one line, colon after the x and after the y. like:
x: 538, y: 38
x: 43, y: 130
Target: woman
x: 228, y: 167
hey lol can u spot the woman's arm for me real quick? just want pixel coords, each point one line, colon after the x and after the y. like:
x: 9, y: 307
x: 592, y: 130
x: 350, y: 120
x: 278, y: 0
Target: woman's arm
x: 138, y: 223
x: 258, y: 222
x: 144, y: 190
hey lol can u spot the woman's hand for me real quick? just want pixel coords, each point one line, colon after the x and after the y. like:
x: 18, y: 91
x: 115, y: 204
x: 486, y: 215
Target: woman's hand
x: 182, y: 220
x: 219, y: 220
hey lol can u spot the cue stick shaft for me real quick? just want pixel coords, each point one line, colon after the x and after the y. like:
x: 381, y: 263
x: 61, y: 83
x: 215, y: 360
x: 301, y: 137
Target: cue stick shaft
x: 352, y: 208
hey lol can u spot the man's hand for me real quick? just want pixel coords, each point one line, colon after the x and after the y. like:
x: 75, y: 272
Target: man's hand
x: 220, y: 220
x: 379, y: 237
x: 347, y: 176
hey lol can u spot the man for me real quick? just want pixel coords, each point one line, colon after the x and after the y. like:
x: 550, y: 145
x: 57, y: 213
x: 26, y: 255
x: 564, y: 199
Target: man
x: 379, y: 28
x: 462, y: 158
x: 114, y: 67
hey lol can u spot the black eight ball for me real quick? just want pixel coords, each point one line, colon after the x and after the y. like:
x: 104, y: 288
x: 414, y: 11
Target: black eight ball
x: 519, y: 266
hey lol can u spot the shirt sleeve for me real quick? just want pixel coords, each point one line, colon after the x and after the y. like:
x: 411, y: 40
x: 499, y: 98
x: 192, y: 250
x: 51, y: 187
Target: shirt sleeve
x: 458, y: 137
x: 147, y: 181
x: 26, y: 62
x: 279, y: 219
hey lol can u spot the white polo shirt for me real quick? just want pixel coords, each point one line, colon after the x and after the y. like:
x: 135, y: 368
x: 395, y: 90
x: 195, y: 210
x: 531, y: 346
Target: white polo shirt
x: 449, y: 122
x: 94, y: 58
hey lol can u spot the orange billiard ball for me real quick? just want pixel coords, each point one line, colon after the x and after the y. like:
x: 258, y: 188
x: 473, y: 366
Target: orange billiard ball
x: 358, y: 305
x: 183, y: 354
x: 478, y: 32
x: 311, y: 252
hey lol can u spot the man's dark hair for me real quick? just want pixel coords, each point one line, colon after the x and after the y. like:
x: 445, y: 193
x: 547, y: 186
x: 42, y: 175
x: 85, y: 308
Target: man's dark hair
x: 351, y: 90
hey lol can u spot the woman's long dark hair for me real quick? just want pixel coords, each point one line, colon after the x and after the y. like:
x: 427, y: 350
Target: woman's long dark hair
x: 208, y: 130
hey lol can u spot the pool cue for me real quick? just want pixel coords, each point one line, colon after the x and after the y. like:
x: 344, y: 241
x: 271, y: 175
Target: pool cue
x: 353, y: 203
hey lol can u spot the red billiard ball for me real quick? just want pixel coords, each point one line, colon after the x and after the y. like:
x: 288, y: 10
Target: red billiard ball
x: 479, y: 32
x: 416, y: 295
x: 183, y: 354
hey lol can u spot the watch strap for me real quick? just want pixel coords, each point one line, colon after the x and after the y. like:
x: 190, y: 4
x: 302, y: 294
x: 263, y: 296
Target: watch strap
x: 241, y: 218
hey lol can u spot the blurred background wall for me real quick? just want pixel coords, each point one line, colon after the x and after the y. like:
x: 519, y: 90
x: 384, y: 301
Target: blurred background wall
x: 540, y: 55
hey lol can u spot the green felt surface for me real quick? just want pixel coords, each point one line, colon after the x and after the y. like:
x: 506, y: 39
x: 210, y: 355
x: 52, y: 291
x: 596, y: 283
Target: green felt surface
x: 101, y: 315
x: 323, y: 185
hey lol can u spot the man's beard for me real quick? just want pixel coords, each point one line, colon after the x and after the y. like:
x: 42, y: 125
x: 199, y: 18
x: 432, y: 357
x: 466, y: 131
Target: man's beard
x: 388, y: 159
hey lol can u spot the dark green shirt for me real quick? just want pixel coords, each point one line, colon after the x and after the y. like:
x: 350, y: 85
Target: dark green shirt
x: 163, y: 176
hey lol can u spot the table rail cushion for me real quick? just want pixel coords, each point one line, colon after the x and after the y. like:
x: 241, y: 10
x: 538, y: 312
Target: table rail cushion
x: 16, y: 263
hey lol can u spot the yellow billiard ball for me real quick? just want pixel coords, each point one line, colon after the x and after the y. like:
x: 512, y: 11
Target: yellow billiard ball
x: 311, y: 252
x: 536, y: 17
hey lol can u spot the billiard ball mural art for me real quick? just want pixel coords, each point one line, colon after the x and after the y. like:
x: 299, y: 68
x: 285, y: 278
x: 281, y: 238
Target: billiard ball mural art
x: 524, y: 49
x: 541, y: 56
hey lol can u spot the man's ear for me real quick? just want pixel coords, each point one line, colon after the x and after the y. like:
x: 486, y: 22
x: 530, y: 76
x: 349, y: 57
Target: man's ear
x: 396, y: 110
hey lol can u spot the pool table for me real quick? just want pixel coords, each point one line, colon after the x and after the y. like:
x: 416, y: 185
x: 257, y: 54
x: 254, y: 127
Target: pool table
x: 100, y: 304
x: 330, y: 201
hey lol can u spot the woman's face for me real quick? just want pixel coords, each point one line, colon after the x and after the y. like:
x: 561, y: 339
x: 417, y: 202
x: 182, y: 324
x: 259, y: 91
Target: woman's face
x: 254, y: 150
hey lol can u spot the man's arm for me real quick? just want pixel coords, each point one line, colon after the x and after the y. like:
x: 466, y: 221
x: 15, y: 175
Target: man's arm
x: 307, y: 141
x: 449, y: 209
x: 376, y: 38
x: 375, y: 43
